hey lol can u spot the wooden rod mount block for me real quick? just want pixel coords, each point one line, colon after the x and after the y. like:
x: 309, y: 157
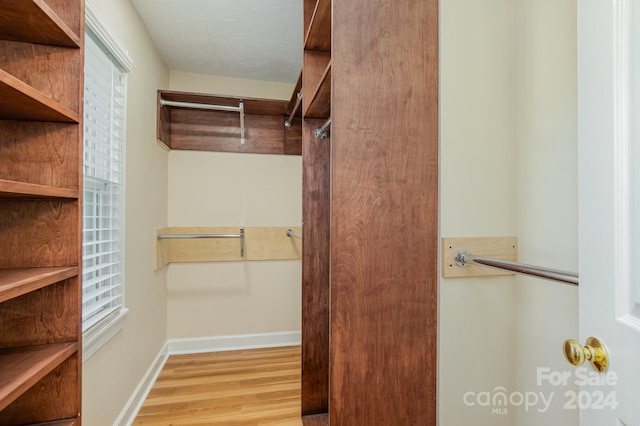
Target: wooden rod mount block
x: 504, y: 248
x: 260, y: 243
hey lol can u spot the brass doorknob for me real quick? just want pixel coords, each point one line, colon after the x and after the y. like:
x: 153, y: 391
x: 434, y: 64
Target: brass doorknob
x: 594, y: 351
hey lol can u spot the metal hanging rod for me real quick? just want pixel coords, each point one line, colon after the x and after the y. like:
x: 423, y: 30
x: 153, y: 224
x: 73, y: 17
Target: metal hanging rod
x: 465, y: 258
x: 290, y: 233
x: 199, y: 236
x: 287, y: 123
x: 239, y: 108
x: 323, y: 131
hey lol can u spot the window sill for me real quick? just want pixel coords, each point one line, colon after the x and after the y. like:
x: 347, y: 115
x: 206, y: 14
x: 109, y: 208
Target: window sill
x: 94, y: 340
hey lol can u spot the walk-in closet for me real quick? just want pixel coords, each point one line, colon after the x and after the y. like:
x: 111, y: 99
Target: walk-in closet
x: 319, y: 212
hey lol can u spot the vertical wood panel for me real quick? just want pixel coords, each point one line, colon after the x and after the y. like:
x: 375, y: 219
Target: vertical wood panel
x: 54, y: 71
x: 48, y: 315
x: 43, y: 232
x: 204, y: 130
x: 315, y: 64
x: 40, y: 153
x: 384, y: 212
x: 315, y: 270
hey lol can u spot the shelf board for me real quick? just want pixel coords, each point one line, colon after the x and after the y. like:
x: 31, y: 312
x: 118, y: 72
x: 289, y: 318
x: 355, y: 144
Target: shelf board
x: 16, y: 282
x: 320, y: 105
x: 319, y: 34
x: 315, y: 420
x: 33, y: 21
x: 65, y: 422
x: 21, y: 368
x: 12, y: 189
x: 252, y: 106
x: 19, y: 101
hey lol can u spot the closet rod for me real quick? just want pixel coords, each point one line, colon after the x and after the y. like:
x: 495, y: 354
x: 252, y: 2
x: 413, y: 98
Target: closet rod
x: 323, y: 131
x: 465, y: 258
x: 287, y: 123
x: 290, y: 233
x: 239, y: 108
x: 198, y: 236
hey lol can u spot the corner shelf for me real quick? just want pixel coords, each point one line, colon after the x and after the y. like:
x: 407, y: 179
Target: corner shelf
x: 21, y: 368
x: 16, y: 282
x: 13, y: 189
x: 19, y: 101
x: 34, y: 21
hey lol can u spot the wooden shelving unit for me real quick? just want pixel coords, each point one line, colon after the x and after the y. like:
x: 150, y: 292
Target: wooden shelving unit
x: 316, y: 212
x: 41, y: 76
x: 370, y: 212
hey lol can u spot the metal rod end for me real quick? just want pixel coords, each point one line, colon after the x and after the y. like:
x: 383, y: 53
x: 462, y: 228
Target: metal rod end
x: 320, y: 134
x: 460, y: 260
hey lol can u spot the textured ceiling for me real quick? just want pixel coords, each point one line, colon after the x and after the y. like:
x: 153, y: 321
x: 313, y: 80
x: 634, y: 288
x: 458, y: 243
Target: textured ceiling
x: 255, y: 39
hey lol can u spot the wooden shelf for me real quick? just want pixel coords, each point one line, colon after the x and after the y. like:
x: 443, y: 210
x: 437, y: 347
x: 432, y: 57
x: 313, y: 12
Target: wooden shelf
x: 21, y: 368
x: 319, y: 34
x: 316, y: 420
x: 320, y: 104
x: 252, y: 106
x: 67, y: 422
x: 16, y: 282
x: 11, y: 189
x: 33, y: 21
x: 19, y: 101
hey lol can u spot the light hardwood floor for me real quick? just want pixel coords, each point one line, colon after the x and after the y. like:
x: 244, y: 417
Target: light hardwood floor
x: 247, y: 387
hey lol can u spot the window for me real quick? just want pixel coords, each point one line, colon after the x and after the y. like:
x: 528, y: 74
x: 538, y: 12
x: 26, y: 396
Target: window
x: 105, y: 96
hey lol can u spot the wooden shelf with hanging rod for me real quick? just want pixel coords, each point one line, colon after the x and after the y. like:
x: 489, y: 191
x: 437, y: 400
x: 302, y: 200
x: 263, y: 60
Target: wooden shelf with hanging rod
x: 193, y: 121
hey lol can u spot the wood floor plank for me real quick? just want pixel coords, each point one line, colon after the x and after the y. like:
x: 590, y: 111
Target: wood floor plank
x: 259, y: 387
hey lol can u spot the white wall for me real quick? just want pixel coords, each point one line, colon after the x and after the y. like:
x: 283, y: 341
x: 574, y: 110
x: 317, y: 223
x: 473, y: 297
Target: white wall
x: 477, y: 193
x: 547, y: 202
x: 508, y: 167
x: 229, y: 189
x: 111, y: 375
x: 204, y: 83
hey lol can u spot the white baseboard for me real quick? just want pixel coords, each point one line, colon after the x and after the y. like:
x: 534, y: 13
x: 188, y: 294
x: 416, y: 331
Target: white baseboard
x: 231, y: 343
x: 133, y: 405
x: 199, y: 345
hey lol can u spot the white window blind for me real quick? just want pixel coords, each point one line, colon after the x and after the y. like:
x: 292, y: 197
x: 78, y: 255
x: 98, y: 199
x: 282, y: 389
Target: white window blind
x: 104, y: 166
